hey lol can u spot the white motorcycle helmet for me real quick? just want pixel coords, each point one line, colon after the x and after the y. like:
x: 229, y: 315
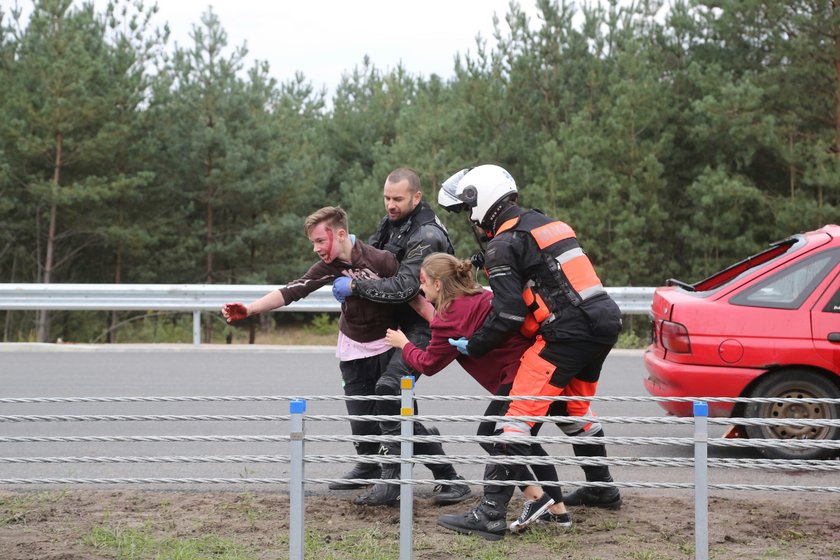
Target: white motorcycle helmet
x: 478, y: 190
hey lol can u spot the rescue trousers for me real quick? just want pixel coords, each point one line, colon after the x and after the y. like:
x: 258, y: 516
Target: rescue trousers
x: 555, y: 369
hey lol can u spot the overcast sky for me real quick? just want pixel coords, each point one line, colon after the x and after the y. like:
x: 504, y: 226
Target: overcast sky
x: 324, y: 38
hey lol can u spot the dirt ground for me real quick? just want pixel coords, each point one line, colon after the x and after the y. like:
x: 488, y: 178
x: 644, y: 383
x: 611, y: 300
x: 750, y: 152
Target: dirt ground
x: 57, y: 524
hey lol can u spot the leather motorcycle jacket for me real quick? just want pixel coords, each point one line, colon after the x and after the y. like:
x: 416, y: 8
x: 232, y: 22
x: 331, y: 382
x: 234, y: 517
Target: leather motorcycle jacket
x: 410, y: 240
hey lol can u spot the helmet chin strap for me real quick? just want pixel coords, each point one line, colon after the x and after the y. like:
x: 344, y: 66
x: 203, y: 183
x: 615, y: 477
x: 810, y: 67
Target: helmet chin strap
x: 478, y: 259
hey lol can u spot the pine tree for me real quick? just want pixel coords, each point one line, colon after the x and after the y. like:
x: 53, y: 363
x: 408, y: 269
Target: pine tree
x: 69, y: 88
x: 361, y: 131
x: 216, y: 139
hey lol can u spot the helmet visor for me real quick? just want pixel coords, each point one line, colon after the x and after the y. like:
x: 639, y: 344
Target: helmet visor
x: 451, y: 197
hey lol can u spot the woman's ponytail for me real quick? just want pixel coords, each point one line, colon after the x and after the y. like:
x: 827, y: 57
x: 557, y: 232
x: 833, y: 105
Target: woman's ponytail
x: 455, y: 276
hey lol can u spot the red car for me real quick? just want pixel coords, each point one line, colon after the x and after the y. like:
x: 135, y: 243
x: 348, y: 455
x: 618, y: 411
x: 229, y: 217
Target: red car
x: 767, y: 326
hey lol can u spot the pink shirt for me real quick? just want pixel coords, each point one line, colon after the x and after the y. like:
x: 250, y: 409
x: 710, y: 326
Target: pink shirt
x: 347, y: 349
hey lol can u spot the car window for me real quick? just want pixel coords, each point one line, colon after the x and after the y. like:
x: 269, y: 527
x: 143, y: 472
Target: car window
x: 747, y: 266
x: 833, y: 305
x: 788, y: 288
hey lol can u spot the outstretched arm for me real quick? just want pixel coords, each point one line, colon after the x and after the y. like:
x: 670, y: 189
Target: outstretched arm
x: 437, y: 355
x: 239, y: 311
x: 399, y: 288
x: 319, y: 274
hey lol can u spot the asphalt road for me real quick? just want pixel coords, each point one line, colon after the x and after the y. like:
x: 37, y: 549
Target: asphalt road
x: 84, y: 371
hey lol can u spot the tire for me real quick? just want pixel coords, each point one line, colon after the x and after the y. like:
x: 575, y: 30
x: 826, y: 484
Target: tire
x: 794, y: 383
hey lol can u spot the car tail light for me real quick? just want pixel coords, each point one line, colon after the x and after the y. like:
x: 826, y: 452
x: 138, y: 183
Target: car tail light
x: 674, y: 337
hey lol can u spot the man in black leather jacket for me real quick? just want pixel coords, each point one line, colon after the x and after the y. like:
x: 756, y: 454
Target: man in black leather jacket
x: 411, y: 231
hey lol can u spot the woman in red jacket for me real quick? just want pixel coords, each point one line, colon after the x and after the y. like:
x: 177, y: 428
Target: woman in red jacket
x: 455, y: 306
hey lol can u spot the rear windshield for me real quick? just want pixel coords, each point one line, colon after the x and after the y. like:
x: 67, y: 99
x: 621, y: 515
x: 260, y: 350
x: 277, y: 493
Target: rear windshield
x: 791, y: 286
x: 740, y: 268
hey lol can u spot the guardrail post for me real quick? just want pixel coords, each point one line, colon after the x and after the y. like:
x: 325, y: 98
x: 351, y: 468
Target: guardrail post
x: 296, y: 534
x: 196, y: 328
x: 406, y: 452
x: 701, y: 481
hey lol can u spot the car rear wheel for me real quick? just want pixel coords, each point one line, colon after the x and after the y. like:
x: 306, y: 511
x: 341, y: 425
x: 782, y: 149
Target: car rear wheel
x: 794, y: 384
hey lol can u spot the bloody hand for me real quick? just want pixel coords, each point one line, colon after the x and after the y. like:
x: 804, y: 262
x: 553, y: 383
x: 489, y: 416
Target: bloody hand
x: 234, y: 312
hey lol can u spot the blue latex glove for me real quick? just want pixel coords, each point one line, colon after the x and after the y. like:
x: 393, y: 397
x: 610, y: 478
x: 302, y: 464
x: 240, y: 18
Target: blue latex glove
x: 460, y: 344
x: 341, y: 288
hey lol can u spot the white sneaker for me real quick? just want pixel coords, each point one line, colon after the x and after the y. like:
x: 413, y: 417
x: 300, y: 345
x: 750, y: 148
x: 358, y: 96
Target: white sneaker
x: 532, y: 511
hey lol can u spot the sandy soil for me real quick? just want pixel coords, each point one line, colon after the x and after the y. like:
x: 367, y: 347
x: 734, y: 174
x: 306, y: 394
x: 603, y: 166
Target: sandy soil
x: 651, y: 526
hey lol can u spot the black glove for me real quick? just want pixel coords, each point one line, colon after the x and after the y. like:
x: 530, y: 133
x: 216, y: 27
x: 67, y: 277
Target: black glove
x: 477, y: 260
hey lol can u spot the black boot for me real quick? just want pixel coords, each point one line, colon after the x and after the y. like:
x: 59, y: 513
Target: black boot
x: 607, y: 497
x: 488, y: 519
x: 360, y: 470
x: 445, y: 494
x: 382, y: 494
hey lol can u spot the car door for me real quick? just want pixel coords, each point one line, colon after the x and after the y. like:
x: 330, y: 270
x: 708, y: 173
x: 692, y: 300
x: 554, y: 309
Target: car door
x: 825, y: 321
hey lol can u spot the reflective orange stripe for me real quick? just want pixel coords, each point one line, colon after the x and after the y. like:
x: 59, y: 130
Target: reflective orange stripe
x: 507, y: 225
x: 536, y: 304
x: 530, y: 327
x: 528, y: 295
x: 552, y: 233
x: 580, y: 274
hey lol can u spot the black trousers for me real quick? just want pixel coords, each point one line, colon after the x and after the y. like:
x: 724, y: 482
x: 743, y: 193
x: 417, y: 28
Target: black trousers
x: 390, y: 382
x: 380, y: 375
x: 359, y: 378
x: 540, y: 472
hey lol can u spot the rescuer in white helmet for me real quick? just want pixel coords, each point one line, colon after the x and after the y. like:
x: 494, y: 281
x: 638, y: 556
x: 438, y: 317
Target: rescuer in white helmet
x: 544, y: 286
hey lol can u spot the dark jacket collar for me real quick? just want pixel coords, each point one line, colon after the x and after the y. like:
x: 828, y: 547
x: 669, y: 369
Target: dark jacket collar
x: 406, y: 221
x: 508, y: 214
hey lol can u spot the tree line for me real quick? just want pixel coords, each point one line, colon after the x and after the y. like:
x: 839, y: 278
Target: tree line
x: 673, y: 145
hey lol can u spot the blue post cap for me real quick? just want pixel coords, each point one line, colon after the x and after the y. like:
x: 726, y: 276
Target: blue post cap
x: 297, y: 406
x: 701, y: 408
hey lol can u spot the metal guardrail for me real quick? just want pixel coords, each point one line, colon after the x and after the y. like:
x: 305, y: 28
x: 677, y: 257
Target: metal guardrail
x: 141, y: 297
x: 196, y: 298
x: 205, y: 297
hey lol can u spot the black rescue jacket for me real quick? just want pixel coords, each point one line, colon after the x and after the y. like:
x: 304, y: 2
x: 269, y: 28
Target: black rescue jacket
x: 541, y: 279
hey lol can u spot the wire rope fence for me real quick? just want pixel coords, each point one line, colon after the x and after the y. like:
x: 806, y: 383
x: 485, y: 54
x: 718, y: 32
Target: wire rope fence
x: 292, y: 433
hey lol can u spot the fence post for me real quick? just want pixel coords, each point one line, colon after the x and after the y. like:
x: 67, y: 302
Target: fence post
x: 701, y: 481
x: 406, y: 452
x: 196, y: 328
x: 296, y: 408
